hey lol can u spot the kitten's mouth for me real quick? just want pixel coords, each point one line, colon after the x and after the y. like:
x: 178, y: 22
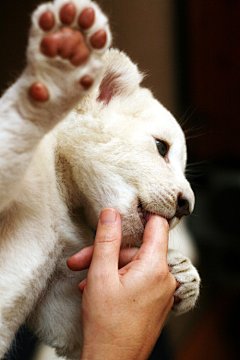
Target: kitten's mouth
x: 145, y: 216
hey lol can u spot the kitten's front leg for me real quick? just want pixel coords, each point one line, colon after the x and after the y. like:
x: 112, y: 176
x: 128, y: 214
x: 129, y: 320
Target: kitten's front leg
x: 188, y: 278
x: 66, y: 44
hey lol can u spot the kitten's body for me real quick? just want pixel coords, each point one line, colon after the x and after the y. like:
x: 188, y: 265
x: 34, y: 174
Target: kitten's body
x: 56, y: 177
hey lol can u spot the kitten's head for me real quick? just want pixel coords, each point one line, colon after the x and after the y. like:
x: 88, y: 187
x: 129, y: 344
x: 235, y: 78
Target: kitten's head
x: 128, y: 152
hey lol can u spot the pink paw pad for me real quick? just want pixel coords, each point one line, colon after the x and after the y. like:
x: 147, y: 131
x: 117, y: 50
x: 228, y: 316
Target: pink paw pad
x: 68, y: 44
x: 47, y: 21
x: 86, y: 18
x: 39, y: 92
x: 98, y: 40
x: 67, y: 14
x: 86, y: 82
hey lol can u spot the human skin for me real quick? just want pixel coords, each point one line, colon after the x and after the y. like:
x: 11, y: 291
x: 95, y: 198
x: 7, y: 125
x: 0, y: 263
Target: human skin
x: 124, y: 309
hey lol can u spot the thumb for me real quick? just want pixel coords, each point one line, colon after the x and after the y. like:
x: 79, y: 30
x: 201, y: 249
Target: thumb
x: 107, y: 243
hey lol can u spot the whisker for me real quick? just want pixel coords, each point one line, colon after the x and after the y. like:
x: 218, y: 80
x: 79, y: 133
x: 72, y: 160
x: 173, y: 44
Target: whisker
x: 185, y: 117
x: 196, y: 170
x: 198, y: 130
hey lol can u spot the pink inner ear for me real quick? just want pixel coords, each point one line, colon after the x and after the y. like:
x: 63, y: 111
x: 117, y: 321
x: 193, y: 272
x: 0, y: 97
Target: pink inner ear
x: 108, y: 88
x: 105, y: 96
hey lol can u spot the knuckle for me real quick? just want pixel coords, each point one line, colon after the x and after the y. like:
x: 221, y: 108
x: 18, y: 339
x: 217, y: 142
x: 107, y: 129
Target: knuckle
x: 106, y: 238
x: 173, y: 284
x: 163, y: 276
x: 161, y: 273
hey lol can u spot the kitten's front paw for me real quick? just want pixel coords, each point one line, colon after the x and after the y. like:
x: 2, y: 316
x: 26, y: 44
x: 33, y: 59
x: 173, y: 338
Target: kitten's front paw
x: 66, y: 44
x: 189, y: 281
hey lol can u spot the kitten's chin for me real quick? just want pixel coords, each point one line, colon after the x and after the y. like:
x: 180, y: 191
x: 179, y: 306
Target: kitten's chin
x: 132, y: 231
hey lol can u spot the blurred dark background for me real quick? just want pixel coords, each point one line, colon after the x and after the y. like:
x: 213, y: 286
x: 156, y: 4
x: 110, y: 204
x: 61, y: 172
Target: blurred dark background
x: 190, y: 50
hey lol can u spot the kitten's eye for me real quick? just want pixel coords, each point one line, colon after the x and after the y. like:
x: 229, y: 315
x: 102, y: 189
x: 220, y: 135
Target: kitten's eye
x: 162, y: 147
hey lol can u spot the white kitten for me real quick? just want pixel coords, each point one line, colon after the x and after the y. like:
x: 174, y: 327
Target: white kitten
x: 78, y: 136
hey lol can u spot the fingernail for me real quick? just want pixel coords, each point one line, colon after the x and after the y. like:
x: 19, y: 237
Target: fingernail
x: 108, y: 217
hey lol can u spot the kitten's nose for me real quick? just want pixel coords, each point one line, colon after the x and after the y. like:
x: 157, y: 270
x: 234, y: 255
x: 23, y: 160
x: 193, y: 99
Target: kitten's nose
x: 182, y: 207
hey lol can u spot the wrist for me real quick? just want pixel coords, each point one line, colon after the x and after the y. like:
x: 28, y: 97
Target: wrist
x: 108, y: 352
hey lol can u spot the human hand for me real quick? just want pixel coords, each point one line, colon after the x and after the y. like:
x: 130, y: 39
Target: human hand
x: 124, y: 310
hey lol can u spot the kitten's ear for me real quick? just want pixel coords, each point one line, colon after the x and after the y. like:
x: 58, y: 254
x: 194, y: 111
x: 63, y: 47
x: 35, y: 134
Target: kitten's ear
x: 120, y: 78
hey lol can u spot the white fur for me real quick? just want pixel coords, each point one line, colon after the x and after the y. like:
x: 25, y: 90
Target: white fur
x: 61, y: 163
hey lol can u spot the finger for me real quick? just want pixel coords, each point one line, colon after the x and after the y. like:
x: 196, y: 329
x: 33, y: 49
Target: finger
x: 155, y: 240
x: 126, y: 256
x: 107, y: 243
x: 82, y: 284
x: 81, y: 260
